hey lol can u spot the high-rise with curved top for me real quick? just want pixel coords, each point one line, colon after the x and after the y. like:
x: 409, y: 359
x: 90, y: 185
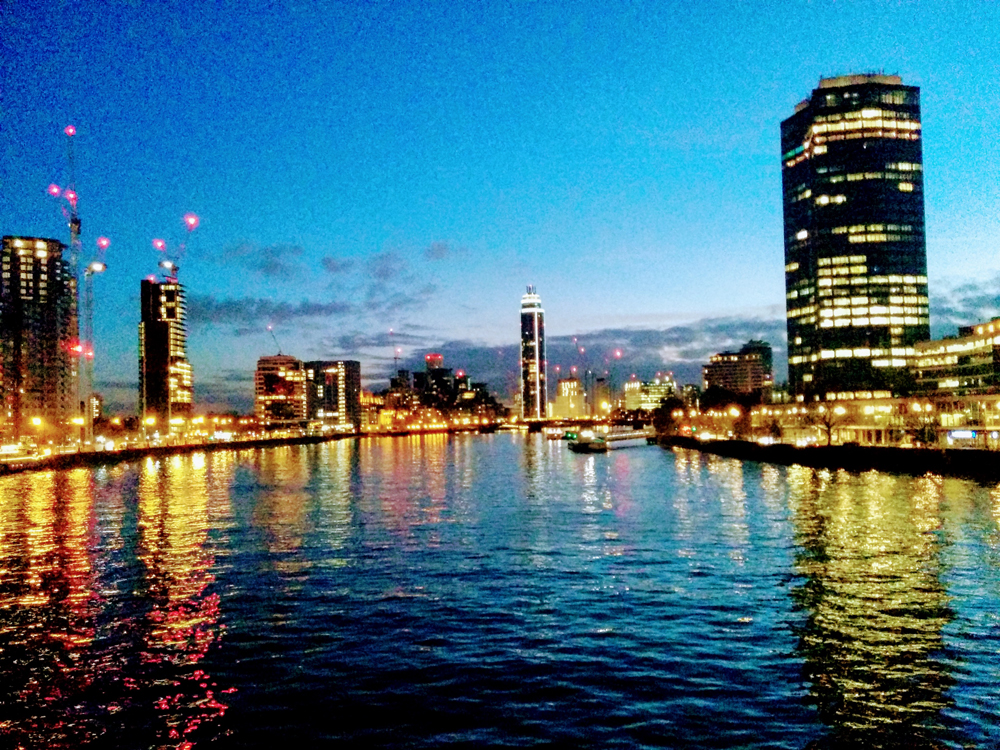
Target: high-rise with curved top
x: 533, y: 386
x: 855, y: 256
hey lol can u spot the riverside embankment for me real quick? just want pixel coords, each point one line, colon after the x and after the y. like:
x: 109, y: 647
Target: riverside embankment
x: 983, y: 466
x: 107, y: 458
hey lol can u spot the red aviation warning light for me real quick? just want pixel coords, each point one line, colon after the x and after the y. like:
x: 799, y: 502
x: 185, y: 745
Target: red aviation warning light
x: 69, y: 130
x: 70, y: 195
x: 159, y: 244
x: 103, y: 243
x: 54, y: 190
x: 192, y: 221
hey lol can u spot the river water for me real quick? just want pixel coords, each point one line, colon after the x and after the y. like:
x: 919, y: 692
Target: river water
x: 495, y: 590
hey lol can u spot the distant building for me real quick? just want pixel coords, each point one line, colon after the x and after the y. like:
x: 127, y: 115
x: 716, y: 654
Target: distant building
x: 968, y: 364
x: 600, y: 404
x: 691, y: 396
x: 533, y: 381
x: 166, y: 388
x: 280, y: 398
x: 334, y: 392
x: 436, y: 386
x: 647, y: 396
x: 39, y: 337
x: 855, y: 258
x: 747, y: 371
x: 570, y: 400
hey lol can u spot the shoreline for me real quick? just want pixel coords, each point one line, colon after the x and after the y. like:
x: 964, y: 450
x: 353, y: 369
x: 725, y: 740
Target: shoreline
x: 978, y: 465
x: 109, y: 458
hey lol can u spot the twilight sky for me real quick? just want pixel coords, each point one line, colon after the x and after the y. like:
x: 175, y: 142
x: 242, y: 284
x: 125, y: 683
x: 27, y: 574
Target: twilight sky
x: 361, y: 166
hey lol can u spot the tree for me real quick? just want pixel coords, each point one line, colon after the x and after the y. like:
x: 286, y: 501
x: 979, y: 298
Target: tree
x: 827, y: 419
x: 663, y: 416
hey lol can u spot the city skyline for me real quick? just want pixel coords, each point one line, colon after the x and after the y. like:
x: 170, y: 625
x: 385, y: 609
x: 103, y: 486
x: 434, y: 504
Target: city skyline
x: 436, y: 151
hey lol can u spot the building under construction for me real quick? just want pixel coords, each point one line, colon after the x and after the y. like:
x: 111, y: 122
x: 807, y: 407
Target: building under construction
x: 166, y: 390
x: 39, y: 340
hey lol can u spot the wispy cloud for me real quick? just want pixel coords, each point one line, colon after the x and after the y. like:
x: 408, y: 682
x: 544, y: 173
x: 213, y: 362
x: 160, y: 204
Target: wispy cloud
x: 336, y: 265
x: 387, y: 266
x: 963, y: 303
x: 437, y: 251
x: 206, y: 309
x: 277, y: 261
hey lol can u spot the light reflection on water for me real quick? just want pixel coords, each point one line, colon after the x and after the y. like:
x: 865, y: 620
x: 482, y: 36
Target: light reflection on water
x: 495, y: 590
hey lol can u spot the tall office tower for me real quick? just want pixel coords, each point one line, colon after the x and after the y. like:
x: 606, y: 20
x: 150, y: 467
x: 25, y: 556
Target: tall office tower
x: 280, y: 394
x: 855, y: 259
x: 334, y: 392
x: 533, y: 384
x: 39, y: 338
x: 165, y: 376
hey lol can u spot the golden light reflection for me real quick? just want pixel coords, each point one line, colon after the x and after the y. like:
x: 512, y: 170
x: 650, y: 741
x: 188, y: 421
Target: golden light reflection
x: 875, y: 603
x: 727, y: 473
x: 47, y: 607
x: 281, y: 509
x: 182, y: 618
x: 410, y: 478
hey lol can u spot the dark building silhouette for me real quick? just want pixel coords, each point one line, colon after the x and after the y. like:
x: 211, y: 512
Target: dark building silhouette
x: 165, y: 377
x: 855, y: 257
x: 533, y: 383
x: 39, y: 338
x: 334, y: 392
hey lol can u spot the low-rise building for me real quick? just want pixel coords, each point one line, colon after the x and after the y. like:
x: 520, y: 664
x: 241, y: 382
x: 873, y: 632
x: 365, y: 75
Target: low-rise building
x: 747, y: 371
x: 280, y: 398
x: 648, y: 395
x: 966, y: 364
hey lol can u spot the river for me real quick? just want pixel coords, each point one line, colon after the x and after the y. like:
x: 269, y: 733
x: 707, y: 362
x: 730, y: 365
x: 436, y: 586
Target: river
x: 435, y: 591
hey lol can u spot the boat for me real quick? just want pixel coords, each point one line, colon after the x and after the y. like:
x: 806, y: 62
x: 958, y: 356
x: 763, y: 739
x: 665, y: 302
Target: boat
x: 619, y: 436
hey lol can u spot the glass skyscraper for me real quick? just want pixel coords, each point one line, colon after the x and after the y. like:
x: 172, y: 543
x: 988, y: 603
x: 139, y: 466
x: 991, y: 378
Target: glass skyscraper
x: 855, y: 256
x: 533, y: 384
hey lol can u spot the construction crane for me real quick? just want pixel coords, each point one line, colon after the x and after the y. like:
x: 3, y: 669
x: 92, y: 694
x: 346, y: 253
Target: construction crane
x: 271, y: 329
x: 94, y: 267
x: 83, y: 346
x: 171, y: 260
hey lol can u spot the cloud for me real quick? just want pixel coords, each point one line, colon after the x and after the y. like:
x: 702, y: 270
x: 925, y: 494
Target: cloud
x: 227, y: 390
x: 273, y: 261
x: 336, y: 265
x: 437, y: 251
x: 207, y: 310
x: 963, y: 304
x: 387, y: 266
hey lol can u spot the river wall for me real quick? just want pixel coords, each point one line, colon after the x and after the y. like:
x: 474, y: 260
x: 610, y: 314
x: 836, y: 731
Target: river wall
x: 107, y: 458
x: 980, y: 465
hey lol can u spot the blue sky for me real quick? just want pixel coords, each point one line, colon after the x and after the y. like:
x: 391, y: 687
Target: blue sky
x: 361, y: 166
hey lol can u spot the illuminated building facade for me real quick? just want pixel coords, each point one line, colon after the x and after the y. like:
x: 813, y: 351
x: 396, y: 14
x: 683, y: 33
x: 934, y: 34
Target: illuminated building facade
x: 533, y: 382
x: 280, y: 392
x: 965, y: 365
x: 334, y: 392
x: 647, y: 396
x: 166, y: 389
x: 747, y: 371
x: 570, y: 399
x: 39, y: 338
x: 855, y: 257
